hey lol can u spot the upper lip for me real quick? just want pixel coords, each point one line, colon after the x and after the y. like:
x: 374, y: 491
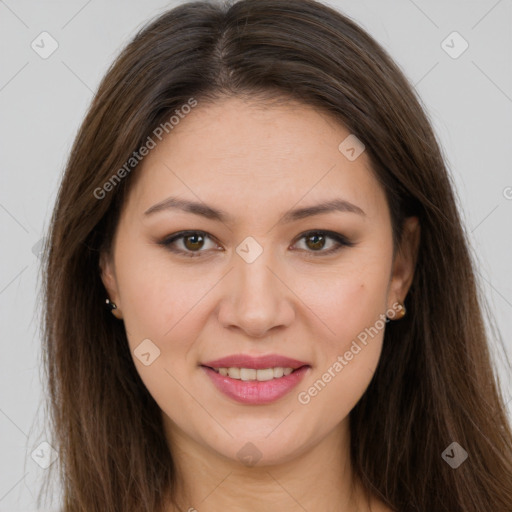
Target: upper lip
x: 256, y: 362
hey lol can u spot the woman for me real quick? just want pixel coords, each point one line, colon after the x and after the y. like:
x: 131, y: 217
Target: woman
x: 258, y: 288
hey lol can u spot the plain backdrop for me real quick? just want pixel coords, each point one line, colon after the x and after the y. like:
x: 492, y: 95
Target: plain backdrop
x: 467, y: 95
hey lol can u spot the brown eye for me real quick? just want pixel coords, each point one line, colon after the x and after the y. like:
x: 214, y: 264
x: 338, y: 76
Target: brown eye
x: 315, y: 241
x: 193, y: 242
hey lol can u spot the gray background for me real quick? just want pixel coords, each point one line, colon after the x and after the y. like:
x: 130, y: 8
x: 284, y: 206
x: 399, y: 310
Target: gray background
x: 43, y: 101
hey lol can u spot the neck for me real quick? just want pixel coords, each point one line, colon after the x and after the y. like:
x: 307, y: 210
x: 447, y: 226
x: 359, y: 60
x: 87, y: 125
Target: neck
x: 318, y: 478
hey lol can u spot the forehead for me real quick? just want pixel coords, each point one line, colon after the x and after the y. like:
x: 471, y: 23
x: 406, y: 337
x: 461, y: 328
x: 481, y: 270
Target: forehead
x: 241, y: 153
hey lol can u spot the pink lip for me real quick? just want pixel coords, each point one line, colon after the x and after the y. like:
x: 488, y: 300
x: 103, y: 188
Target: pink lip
x: 255, y: 392
x: 259, y: 363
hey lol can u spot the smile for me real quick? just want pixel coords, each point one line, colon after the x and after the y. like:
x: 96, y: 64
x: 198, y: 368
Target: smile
x: 255, y: 386
x: 253, y: 373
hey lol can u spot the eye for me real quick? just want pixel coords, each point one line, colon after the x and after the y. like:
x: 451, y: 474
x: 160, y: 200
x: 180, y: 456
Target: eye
x: 192, y: 242
x: 317, y: 240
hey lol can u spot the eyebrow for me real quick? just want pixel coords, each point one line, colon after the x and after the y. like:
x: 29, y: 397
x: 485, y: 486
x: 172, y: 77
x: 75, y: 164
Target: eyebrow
x: 198, y: 208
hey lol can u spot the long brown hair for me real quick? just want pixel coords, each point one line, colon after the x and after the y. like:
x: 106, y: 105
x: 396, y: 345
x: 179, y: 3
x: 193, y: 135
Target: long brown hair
x: 435, y: 383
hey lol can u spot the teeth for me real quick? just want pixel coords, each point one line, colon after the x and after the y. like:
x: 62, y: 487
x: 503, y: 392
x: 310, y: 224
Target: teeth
x: 246, y: 373
x: 278, y: 372
x: 234, y: 373
x: 265, y: 374
x: 253, y: 374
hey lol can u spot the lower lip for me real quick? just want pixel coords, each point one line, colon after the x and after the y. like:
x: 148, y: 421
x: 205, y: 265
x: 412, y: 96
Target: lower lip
x: 254, y: 392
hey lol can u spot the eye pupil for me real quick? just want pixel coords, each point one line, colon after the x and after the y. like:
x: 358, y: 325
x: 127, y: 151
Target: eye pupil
x: 317, y: 244
x: 194, y: 236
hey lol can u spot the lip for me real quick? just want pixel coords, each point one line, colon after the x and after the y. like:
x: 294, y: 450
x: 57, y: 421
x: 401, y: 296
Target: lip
x: 255, y: 392
x: 256, y: 362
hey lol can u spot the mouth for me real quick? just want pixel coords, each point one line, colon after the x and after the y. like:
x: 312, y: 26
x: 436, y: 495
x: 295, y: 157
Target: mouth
x: 255, y: 386
x: 255, y: 374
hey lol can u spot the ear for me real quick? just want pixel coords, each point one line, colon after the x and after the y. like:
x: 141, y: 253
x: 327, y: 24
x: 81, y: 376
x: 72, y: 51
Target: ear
x: 405, y: 261
x: 108, y: 276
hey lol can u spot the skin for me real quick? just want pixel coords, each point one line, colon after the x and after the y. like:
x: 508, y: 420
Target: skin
x: 256, y: 163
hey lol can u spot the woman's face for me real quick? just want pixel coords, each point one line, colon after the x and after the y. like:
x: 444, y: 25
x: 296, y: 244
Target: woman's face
x: 258, y: 281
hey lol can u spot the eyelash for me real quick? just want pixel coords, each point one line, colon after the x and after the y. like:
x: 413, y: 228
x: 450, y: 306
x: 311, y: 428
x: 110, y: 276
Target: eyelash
x: 340, y: 239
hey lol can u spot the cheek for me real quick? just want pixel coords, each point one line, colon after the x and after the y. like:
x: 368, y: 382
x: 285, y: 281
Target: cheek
x: 157, y: 299
x: 337, y: 384
x: 335, y: 389
x: 353, y: 309
x: 346, y: 302
x: 161, y: 310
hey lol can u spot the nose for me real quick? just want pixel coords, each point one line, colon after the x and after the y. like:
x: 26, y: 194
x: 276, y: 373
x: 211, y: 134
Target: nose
x: 256, y: 297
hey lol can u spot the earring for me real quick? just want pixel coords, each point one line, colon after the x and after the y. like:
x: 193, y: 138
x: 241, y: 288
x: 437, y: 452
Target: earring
x: 401, y: 312
x: 111, y: 305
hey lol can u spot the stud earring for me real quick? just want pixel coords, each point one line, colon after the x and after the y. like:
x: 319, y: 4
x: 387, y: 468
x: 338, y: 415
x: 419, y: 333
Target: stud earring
x: 401, y: 312
x: 111, y: 305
